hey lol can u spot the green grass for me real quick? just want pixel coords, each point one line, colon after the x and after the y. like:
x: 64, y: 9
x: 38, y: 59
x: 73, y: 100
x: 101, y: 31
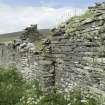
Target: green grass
x: 6, y: 39
x: 16, y: 91
x: 11, y: 86
x: 12, y: 36
x: 9, y: 36
x: 75, y: 22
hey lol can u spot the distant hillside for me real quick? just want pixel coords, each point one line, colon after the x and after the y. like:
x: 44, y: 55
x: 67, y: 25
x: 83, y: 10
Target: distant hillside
x: 15, y: 35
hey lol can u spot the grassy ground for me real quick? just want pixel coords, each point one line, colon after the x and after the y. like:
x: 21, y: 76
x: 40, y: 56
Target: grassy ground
x: 9, y: 36
x: 15, y: 35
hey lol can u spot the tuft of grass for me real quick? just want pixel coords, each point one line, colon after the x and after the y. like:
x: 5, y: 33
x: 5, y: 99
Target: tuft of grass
x: 75, y: 22
x: 11, y: 86
x: 88, y: 14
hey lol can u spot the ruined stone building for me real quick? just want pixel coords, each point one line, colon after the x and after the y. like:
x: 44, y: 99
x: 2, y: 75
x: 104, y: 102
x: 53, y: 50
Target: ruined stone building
x: 73, y: 56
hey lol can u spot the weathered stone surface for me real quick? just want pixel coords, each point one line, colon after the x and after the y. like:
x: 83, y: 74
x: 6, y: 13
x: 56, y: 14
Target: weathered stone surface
x: 74, y: 56
x: 82, y: 53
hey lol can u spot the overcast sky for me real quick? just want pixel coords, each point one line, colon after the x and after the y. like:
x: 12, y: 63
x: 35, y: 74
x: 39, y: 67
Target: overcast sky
x: 15, y: 15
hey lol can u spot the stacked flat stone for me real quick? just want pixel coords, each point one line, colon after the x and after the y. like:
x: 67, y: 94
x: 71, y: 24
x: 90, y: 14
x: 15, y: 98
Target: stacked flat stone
x: 79, y: 49
x: 47, y: 67
x: 75, y: 55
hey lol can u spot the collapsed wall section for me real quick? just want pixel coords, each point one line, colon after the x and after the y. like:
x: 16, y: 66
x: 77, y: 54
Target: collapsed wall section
x: 30, y: 62
x: 21, y: 55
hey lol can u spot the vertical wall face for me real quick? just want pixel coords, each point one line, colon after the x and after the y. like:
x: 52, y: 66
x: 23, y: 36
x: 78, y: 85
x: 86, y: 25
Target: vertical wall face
x: 79, y: 61
x: 80, y: 53
x: 22, y: 56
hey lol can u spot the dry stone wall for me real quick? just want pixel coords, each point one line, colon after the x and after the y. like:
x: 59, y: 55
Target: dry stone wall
x: 19, y: 54
x: 75, y: 55
x: 30, y: 62
x: 79, y: 50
